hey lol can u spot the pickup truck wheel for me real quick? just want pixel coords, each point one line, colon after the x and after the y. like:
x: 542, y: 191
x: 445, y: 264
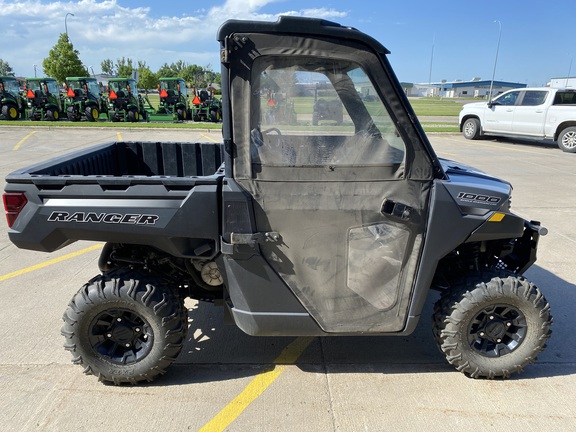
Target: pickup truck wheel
x: 124, y: 327
x: 492, y: 327
x: 567, y: 140
x: 471, y: 128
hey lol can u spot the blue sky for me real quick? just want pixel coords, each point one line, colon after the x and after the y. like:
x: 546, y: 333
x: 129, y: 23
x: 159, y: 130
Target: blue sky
x: 439, y: 40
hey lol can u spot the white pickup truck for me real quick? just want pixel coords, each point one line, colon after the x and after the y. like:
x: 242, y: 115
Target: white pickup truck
x: 539, y: 113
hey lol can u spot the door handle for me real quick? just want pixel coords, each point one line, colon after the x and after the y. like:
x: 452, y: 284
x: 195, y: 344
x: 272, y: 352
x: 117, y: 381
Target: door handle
x: 396, y: 210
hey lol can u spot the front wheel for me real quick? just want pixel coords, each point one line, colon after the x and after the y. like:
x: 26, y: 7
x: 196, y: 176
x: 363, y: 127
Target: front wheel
x: 124, y: 327
x: 567, y: 140
x: 492, y: 328
x: 92, y: 113
x: 52, y: 115
x: 471, y: 129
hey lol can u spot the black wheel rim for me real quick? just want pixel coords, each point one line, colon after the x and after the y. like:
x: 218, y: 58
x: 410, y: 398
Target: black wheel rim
x: 121, y: 336
x: 497, y: 330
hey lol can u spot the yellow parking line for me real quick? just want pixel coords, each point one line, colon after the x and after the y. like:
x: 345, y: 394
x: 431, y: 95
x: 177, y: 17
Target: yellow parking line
x: 256, y: 387
x: 209, y: 138
x: 49, y: 263
x: 119, y: 136
x: 17, y: 146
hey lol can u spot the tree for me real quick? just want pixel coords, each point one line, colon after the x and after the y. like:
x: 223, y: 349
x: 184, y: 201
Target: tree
x: 124, y: 67
x: 147, y: 79
x: 165, y: 71
x: 64, y: 61
x: 107, y: 67
x: 5, y: 68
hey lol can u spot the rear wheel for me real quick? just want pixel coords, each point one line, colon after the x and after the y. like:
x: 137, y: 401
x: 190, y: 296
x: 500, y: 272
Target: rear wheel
x: 133, y: 116
x: 10, y: 112
x: 71, y: 113
x: 567, y: 140
x: 471, y: 128
x: 181, y: 114
x: 52, y: 115
x: 92, y: 113
x: 124, y: 327
x: 492, y: 327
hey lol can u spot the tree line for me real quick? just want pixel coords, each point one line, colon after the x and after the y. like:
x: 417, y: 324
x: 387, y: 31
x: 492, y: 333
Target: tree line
x: 64, y: 61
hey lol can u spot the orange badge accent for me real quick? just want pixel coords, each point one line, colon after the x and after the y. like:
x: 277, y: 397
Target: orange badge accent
x: 71, y: 92
x: 196, y: 100
x: 30, y: 94
x: 163, y: 93
x: 113, y: 95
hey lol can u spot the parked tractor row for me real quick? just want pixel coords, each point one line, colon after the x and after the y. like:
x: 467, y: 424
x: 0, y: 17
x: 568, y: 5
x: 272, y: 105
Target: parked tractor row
x: 84, y: 100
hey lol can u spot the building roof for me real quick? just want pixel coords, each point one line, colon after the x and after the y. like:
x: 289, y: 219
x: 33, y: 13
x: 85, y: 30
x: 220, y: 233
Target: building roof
x: 477, y: 83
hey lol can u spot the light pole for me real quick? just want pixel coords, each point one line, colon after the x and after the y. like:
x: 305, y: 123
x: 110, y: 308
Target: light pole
x: 34, y: 71
x: 65, y: 22
x: 495, y: 60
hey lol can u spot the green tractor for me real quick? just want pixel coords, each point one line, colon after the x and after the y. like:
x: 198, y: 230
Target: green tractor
x: 84, y: 99
x: 206, y: 107
x: 124, y: 102
x: 44, y: 99
x: 174, y: 102
x: 12, y: 104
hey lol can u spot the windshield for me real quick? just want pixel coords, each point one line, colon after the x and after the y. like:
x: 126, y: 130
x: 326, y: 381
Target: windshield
x: 174, y: 85
x: 328, y: 109
x: 33, y: 85
x: 122, y: 85
x: 11, y: 86
x: 52, y: 87
x: 93, y: 88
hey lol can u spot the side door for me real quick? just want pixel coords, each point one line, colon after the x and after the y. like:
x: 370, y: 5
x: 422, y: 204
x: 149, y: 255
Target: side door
x: 530, y: 113
x: 339, y: 179
x: 500, y: 116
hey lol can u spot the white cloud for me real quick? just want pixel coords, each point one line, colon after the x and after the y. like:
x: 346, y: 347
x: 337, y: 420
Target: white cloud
x: 105, y: 29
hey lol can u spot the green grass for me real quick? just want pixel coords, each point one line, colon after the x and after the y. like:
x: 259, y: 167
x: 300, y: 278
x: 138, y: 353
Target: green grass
x: 106, y: 124
x: 303, y: 105
x: 436, y: 107
x: 440, y: 127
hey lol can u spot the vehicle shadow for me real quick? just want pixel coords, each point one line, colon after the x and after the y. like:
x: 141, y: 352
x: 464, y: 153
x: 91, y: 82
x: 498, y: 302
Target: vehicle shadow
x: 217, y: 352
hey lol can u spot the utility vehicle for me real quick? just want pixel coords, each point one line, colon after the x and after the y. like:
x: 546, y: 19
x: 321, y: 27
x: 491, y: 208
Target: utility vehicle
x: 44, y: 99
x: 84, y: 99
x: 124, y: 102
x: 293, y: 229
x: 174, y: 101
x: 12, y: 104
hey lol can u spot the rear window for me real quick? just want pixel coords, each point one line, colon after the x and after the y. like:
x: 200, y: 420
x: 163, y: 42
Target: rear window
x: 565, y: 98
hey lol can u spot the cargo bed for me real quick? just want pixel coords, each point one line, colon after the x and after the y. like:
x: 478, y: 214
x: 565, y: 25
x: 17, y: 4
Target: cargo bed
x: 127, y: 161
x: 161, y: 194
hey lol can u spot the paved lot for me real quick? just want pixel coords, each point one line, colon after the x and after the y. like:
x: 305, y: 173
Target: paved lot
x: 336, y: 384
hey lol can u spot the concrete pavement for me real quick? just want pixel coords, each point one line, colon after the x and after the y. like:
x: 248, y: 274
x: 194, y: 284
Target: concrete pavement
x: 336, y: 384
